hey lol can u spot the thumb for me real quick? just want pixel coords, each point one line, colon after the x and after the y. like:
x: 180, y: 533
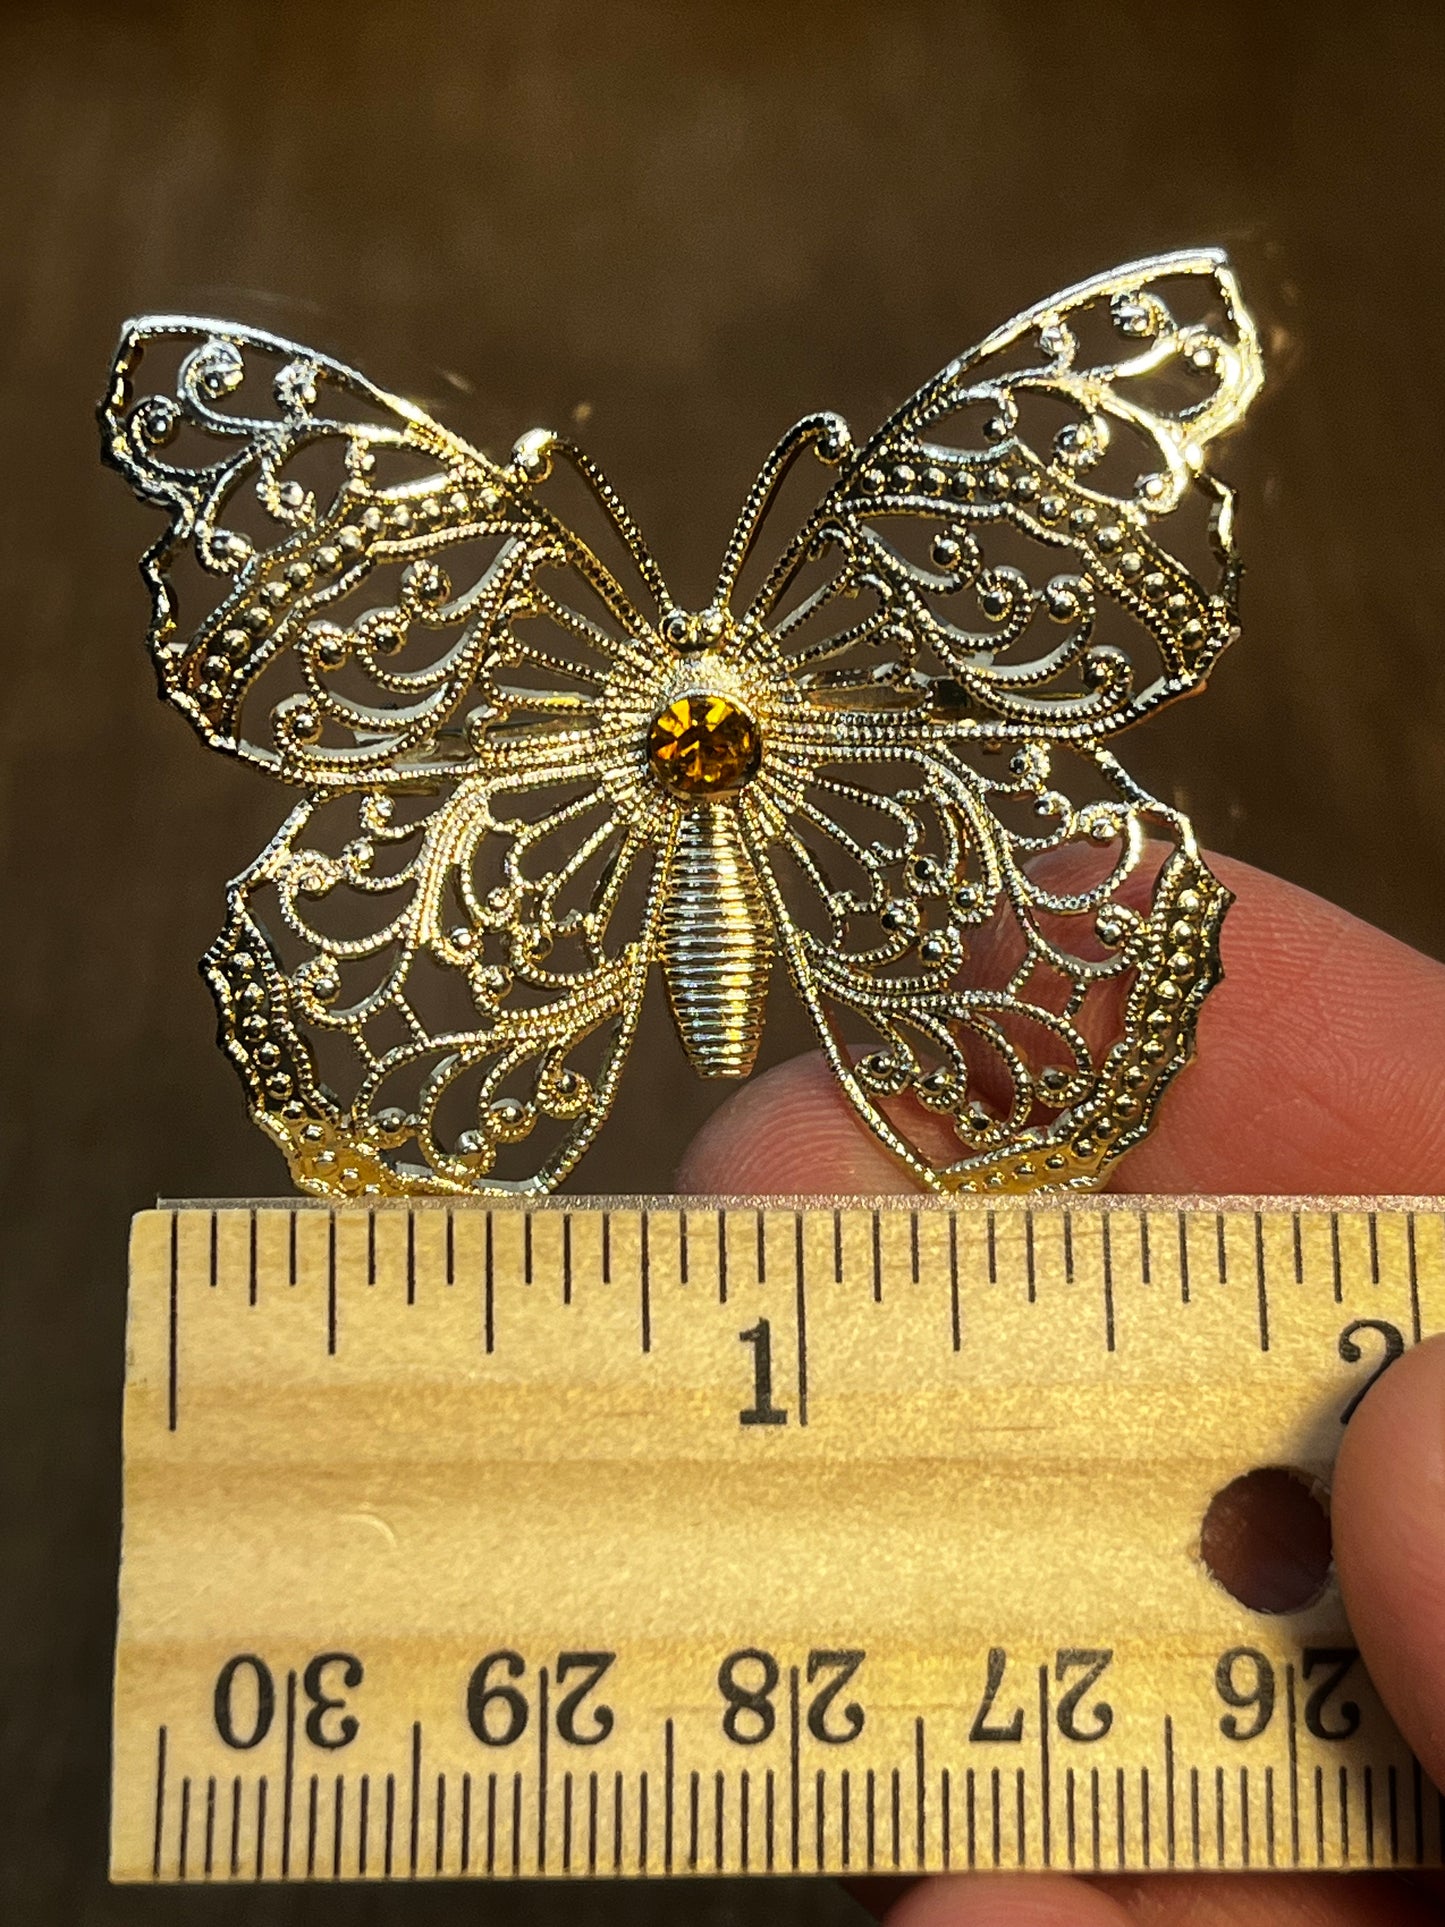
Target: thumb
x: 1388, y: 1510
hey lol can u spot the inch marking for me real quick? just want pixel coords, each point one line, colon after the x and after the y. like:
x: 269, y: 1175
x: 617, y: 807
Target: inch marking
x: 1183, y: 1258
x: 330, y: 1276
x: 955, y: 1307
x: 173, y: 1330
x: 644, y: 1283
x: 1335, y: 1257
x: 801, y: 1315
x: 1261, y: 1283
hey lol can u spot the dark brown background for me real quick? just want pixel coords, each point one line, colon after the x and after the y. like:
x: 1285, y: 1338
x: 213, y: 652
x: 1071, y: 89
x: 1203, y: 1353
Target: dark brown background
x: 700, y: 221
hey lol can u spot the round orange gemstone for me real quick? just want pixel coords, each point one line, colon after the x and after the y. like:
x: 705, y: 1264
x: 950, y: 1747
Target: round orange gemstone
x: 703, y: 745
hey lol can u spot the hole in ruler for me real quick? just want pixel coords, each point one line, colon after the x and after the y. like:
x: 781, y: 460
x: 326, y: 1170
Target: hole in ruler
x: 1266, y: 1540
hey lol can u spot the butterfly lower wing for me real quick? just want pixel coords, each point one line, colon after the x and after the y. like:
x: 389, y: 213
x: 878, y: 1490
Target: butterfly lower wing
x: 429, y: 996
x: 1033, y: 544
x: 1003, y: 979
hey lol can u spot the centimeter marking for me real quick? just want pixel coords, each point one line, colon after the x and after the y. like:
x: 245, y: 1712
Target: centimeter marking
x: 866, y: 1528
x: 996, y: 1818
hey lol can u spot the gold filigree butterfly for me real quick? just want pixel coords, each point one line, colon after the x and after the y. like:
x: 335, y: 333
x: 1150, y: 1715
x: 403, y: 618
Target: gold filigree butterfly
x: 524, y: 776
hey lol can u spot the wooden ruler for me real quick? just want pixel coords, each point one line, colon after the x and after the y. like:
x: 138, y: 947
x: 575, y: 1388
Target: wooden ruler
x: 668, y: 1539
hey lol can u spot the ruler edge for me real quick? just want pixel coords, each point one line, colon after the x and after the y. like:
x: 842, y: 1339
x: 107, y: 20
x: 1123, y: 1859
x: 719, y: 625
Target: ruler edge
x: 931, y: 1202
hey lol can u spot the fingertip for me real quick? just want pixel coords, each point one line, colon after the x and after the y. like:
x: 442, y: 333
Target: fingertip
x: 1320, y: 1060
x: 789, y: 1132
x: 1321, y: 1054
x: 1388, y: 1514
x: 1007, y: 1900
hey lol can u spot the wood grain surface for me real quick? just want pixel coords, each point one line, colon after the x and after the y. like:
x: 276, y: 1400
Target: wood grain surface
x: 681, y: 226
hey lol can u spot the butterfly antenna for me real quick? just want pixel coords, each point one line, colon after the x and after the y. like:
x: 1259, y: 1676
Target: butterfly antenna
x: 617, y: 513
x: 826, y: 433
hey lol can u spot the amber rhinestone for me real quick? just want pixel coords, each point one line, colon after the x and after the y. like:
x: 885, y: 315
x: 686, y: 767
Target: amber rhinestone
x: 703, y: 745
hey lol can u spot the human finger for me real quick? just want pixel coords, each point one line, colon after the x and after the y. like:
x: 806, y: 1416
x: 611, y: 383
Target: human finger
x: 1006, y: 1900
x: 1388, y: 1515
x: 1321, y: 1062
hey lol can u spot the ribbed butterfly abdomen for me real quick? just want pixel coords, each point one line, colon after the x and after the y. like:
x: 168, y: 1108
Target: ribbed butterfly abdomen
x: 717, y: 943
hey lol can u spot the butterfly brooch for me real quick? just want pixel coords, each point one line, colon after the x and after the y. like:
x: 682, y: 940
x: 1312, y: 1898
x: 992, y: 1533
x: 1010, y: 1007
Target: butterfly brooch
x: 878, y: 757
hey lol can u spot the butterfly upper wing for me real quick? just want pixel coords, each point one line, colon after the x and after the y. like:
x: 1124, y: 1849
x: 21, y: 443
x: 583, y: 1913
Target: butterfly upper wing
x: 1002, y: 939
x: 441, y: 954
x: 352, y: 568
x: 1034, y: 537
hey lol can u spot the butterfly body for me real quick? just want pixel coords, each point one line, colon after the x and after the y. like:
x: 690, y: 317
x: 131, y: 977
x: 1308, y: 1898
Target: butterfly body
x: 717, y: 947
x: 882, y: 762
